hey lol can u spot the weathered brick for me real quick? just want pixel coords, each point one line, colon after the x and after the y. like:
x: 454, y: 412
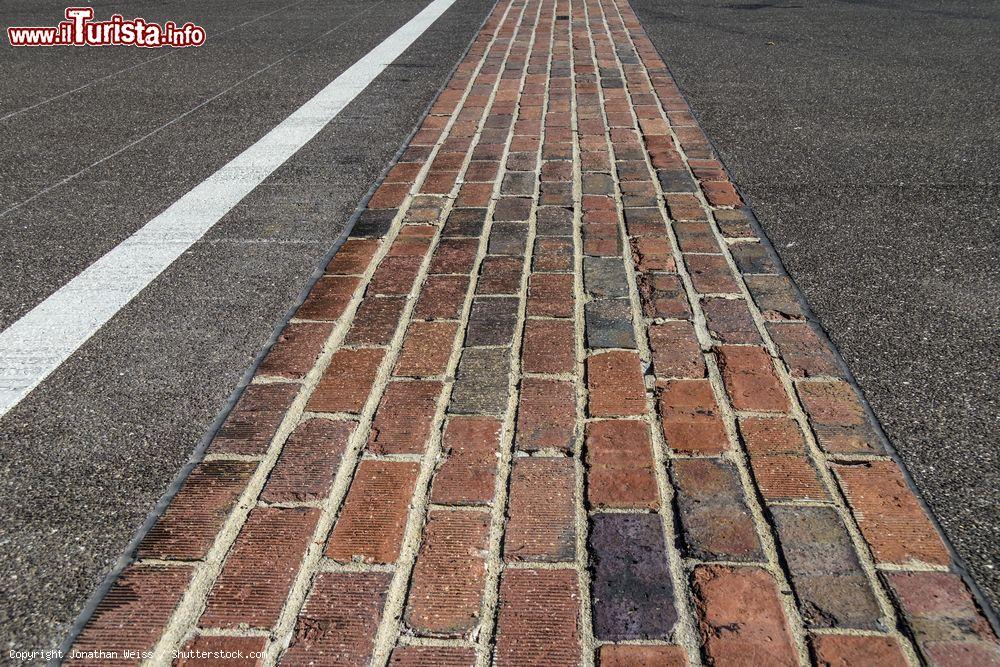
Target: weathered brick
x: 481, y: 382
x: 371, y: 522
x: 328, y: 298
x: 546, y: 415
x: 446, y: 591
x: 620, y: 465
x: 552, y: 253
x: 675, y: 350
x: 413, y: 241
x: 631, y: 589
x: 729, y: 634
x: 710, y: 274
x: 714, y: 516
x: 837, y: 417
x: 641, y: 655
x: 512, y: 208
x: 750, y: 379
x: 500, y: 275
x: 944, y: 619
x: 889, y: 515
x: 426, y: 349
x: 467, y: 475
x: 832, y: 650
x: 696, y: 237
x: 605, y: 277
x: 308, y: 461
x: 550, y: 294
x: 803, y: 349
x: 720, y: 193
x: 338, y: 623
x: 752, y: 258
x: 135, y: 612
x: 508, y: 238
x: 678, y: 180
x: 373, y: 224
x: 394, y: 276
x: 353, y: 257
x: 219, y: 651
x: 614, y: 385
x: 734, y: 224
x: 775, y: 296
x: 260, y: 568
x: 441, y: 297
x: 402, y: 423
x: 432, y: 656
x: 831, y: 587
x: 538, y: 619
x: 549, y: 346
x: 778, y: 458
x: 376, y: 320
x: 651, y: 253
x: 255, y: 419
x: 541, y: 526
x: 730, y: 321
x: 454, y: 255
x: 644, y: 222
x: 492, y: 320
x: 689, y: 417
x: 554, y: 221
x: 685, y: 207
x: 663, y: 295
x: 187, y: 529
x: 602, y: 239
x: 296, y: 349
x: 347, y: 381
x: 609, y: 324
x: 464, y: 222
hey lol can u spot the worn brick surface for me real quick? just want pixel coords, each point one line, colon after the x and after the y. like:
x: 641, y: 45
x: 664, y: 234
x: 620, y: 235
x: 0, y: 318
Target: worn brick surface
x: 561, y: 156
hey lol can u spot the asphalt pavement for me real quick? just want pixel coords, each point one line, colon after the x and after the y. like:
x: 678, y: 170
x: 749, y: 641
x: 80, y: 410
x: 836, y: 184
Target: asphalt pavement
x: 866, y: 136
x: 96, y: 142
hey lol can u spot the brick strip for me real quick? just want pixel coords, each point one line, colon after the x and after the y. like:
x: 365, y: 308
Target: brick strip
x: 553, y: 402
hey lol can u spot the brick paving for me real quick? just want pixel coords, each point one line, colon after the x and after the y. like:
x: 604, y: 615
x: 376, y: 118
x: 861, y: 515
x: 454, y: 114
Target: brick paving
x: 552, y: 403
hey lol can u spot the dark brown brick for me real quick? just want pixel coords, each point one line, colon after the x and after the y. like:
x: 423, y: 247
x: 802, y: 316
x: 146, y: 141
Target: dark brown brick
x: 481, y: 382
x: 554, y: 221
x: 464, y: 222
x: 492, y: 320
x: 432, y: 656
x: 722, y: 596
x: 675, y: 350
x: 446, y: 591
x: 803, y: 350
x: 549, y: 346
x: 255, y: 419
x: 260, y: 568
x: 308, y: 461
x: 426, y: 349
x: 716, y: 522
x: 338, y: 623
x: 752, y: 258
x: 371, y: 522
x: 651, y: 253
x: 296, y: 349
x: 550, y: 294
x: 187, y: 529
x: 467, y: 476
x: 614, y: 384
x: 546, y: 415
x: 394, y: 276
x: 837, y: 417
x: 696, y: 237
x: 376, y: 320
x: 552, y: 253
x: 353, y: 257
x: 775, y: 296
x: 710, y: 274
x: 441, y: 298
x: 541, y: 526
x: 347, y: 381
x: 404, y: 417
x: 537, y: 622
x: 619, y: 462
x: 690, y: 417
x: 750, y: 379
x: 500, y: 275
x: 608, y: 324
x: 685, y: 207
x: 730, y: 321
x: 328, y: 298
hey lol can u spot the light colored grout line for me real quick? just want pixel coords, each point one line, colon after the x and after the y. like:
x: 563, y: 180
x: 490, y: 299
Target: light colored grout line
x: 684, y: 633
x: 797, y: 412
x: 391, y: 626
x: 494, y: 565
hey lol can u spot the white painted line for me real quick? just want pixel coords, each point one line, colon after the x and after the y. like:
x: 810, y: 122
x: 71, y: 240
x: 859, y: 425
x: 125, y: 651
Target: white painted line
x: 39, y: 342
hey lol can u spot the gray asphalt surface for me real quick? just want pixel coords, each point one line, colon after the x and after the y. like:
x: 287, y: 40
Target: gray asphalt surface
x: 867, y: 137
x: 86, y: 455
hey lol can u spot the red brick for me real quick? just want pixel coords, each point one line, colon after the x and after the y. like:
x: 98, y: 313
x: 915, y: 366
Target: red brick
x: 722, y: 596
x: 750, y: 380
x: 537, y: 622
x: 837, y: 417
x: 467, y: 476
x: 889, y: 515
x: 446, y: 592
x: 308, y: 461
x: 546, y: 415
x: 625, y: 655
x: 772, y: 435
x: 663, y: 295
x: 432, y: 656
x: 389, y: 195
x: 541, y: 511
x: 187, y: 529
x: 619, y: 460
x: 426, y: 349
x: 255, y: 419
x: 696, y: 237
x: 944, y: 619
x: 338, y: 623
x: 549, y: 346
x: 652, y: 253
x: 404, y: 417
x: 721, y: 193
x: 328, y: 298
x: 552, y: 254
x: 685, y: 207
x: 403, y: 172
x: 260, y: 568
x: 689, y: 417
x: 455, y: 255
x: 710, y: 274
x: 296, y: 349
x: 615, y: 385
x: 221, y: 651
x: 394, y: 276
x: 500, y: 275
x: 787, y: 477
x: 134, y: 613
x: 376, y: 320
x: 474, y: 194
x: 857, y: 651
x: 441, y: 298
x: 371, y: 523
x: 803, y: 350
x: 550, y: 294
x: 675, y: 350
x: 347, y: 381
x: 353, y: 257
